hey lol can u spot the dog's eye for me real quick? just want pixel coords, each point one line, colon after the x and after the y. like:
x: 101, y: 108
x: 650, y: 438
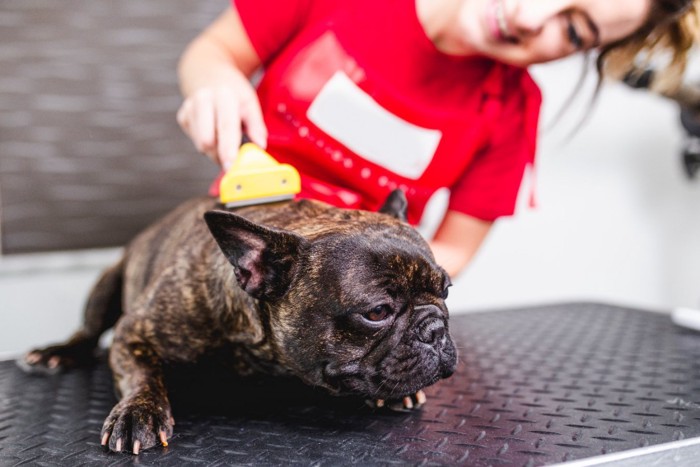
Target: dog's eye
x: 446, y: 289
x: 378, y: 313
x: 445, y: 292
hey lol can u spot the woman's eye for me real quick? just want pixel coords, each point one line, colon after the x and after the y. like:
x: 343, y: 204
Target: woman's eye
x: 574, y: 37
x: 378, y: 313
x: 573, y: 34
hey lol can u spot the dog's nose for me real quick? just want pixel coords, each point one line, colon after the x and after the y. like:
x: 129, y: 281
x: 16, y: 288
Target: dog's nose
x: 432, y: 331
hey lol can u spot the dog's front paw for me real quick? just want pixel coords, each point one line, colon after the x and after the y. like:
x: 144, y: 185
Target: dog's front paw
x: 414, y: 401
x: 138, y: 422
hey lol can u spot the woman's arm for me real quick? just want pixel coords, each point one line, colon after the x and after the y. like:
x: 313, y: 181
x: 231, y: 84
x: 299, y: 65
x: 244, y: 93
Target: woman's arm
x: 214, y: 76
x: 457, y: 240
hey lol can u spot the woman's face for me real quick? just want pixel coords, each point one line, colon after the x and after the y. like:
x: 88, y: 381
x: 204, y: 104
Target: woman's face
x: 525, y: 32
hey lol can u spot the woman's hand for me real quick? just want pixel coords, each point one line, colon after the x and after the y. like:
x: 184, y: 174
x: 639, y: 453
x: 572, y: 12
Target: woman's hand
x: 213, y: 118
x: 219, y: 100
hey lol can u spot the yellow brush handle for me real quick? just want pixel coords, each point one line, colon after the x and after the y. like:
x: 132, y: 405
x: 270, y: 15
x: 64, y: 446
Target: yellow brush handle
x: 255, y: 174
x: 252, y: 156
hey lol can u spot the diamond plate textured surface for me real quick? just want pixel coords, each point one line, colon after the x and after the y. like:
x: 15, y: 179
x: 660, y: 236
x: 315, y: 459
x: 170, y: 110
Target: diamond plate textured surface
x: 534, y: 386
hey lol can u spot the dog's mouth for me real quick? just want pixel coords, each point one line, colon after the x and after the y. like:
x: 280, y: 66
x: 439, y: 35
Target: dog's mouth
x: 381, y: 383
x: 421, y: 358
x: 338, y: 378
x: 387, y: 389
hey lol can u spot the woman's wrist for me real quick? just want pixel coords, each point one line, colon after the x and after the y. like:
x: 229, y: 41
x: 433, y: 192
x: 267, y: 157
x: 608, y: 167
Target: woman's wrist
x: 203, y: 72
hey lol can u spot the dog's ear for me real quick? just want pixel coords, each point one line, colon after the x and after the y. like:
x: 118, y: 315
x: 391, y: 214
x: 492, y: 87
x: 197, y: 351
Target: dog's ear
x: 263, y: 258
x: 395, y: 205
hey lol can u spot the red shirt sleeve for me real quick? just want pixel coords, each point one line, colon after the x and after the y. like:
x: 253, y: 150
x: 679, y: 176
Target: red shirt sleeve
x: 271, y: 23
x: 488, y: 189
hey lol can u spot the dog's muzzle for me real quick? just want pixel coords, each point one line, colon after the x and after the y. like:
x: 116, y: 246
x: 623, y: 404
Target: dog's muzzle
x: 432, y: 332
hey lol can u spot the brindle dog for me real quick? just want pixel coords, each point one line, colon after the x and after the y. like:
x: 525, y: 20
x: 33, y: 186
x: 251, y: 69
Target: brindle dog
x: 351, y: 301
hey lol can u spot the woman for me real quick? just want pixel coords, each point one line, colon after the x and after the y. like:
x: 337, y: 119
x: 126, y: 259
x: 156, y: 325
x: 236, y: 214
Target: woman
x: 364, y: 97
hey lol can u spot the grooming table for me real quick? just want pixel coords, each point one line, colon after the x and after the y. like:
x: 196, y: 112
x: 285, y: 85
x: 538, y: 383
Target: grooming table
x: 537, y: 385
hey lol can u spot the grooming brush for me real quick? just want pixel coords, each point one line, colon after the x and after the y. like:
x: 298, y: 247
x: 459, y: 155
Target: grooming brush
x: 256, y: 178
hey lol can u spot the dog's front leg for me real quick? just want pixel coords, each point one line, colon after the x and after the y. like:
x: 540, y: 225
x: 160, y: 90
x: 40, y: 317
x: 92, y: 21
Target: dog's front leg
x: 142, y: 417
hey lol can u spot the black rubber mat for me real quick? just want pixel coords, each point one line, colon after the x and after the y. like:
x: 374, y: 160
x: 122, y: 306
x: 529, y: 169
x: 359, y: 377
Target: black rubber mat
x: 534, y: 386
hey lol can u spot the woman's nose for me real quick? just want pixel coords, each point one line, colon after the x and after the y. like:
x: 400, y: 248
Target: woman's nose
x: 524, y: 28
x: 531, y: 16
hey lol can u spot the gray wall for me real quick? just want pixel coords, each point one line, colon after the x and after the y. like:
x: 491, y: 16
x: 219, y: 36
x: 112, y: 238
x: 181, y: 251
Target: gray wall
x: 90, y: 150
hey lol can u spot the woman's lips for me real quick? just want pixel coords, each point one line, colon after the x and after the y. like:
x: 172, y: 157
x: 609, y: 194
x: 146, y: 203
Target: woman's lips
x: 497, y: 22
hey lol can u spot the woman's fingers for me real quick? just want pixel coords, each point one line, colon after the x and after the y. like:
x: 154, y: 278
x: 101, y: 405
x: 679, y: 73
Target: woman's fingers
x: 228, y: 126
x: 253, y: 121
x: 196, y: 117
x: 213, y: 118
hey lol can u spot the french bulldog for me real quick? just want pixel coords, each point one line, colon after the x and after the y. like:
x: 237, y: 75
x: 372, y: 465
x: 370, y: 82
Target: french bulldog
x: 347, y: 300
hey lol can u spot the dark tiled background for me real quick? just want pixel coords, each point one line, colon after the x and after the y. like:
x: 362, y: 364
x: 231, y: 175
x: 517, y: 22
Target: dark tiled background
x: 90, y: 150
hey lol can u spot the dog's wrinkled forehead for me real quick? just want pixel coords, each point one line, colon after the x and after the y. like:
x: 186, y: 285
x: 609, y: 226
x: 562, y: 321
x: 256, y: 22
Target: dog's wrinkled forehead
x: 387, y: 262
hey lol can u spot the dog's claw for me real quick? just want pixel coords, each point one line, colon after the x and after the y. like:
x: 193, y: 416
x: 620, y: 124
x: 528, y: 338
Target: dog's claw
x: 56, y: 358
x: 141, y: 421
x: 32, y: 358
